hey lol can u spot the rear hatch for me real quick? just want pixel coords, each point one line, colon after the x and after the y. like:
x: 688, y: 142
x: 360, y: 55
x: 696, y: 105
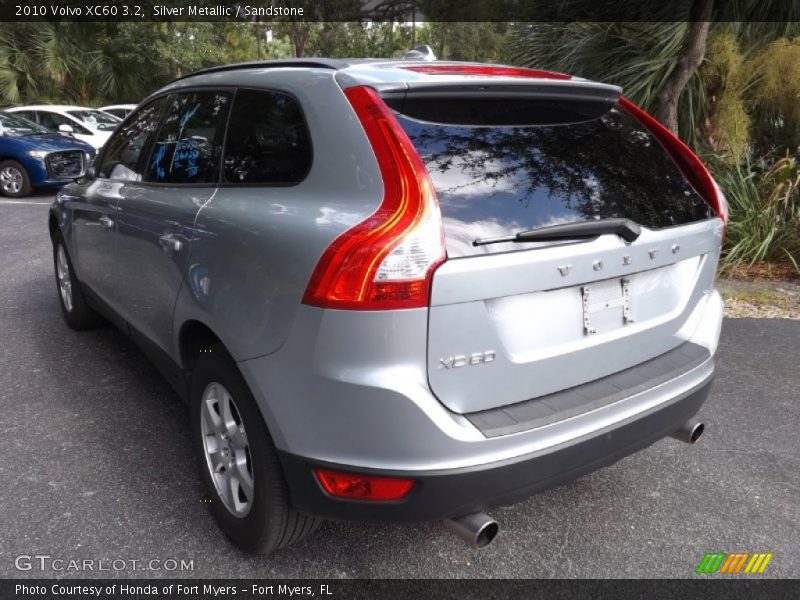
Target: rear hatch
x: 513, y: 321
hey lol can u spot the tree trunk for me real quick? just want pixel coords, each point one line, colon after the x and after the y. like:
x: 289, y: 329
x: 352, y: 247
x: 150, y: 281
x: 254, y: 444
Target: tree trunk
x: 690, y: 59
x: 413, y: 24
x: 442, y: 33
x: 300, y: 33
x: 173, y: 65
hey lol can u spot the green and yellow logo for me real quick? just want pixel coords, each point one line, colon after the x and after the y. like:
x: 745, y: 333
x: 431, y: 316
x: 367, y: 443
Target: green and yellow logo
x: 734, y: 562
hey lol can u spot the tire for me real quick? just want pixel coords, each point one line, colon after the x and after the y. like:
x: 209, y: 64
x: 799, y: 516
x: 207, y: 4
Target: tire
x: 14, y: 180
x: 249, y: 496
x: 77, y: 313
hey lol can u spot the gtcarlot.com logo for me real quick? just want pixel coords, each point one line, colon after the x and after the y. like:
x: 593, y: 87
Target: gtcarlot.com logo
x: 45, y: 562
x: 732, y: 563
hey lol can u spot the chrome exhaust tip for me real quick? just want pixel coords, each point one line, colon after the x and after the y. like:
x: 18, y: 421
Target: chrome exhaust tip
x: 689, y: 432
x: 476, y: 529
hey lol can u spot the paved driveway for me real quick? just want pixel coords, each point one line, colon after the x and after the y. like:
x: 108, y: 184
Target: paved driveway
x: 96, y: 464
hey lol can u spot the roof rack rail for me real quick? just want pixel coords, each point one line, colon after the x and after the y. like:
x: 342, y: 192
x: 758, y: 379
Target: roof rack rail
x: 308, y: 63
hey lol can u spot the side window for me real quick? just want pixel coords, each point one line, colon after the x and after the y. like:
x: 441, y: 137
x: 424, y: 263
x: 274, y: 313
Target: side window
x: 123, y: 158
x: 188, y: 146
x: 27, y: 114
x: 267, y: 141
x: 51, y: 121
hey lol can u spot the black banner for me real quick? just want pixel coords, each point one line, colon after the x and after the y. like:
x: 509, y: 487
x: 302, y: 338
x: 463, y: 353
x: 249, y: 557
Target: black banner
x: 399, y: 589
x: 396, y: 10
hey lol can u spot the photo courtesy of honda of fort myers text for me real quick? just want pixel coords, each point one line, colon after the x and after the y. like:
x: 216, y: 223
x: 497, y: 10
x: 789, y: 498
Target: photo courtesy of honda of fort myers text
x: 399, y: 298
x: 167, y: 589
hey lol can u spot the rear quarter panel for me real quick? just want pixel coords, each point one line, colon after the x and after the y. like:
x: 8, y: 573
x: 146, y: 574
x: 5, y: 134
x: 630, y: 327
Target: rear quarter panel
x: 255, y: 247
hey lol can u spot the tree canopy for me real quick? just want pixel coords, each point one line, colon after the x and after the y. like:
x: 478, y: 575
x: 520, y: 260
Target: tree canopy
x: 97, y: 63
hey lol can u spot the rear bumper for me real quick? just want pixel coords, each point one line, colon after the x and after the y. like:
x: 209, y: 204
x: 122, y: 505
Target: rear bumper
x: 451, y: 492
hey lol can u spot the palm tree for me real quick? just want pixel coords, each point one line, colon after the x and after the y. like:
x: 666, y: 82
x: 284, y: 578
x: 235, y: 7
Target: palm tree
x: 657, y: 63
x: 727, y: 86
x: 17, y: 69
x: 77, y: 62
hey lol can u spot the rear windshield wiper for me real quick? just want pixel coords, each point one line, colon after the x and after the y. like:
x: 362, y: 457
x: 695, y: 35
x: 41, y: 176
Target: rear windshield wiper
x: 625, y: 228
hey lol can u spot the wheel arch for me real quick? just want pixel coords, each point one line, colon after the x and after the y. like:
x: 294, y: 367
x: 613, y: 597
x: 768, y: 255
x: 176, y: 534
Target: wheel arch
x: 194, y: 337
x: 52, y: 225
x: 20, y: 160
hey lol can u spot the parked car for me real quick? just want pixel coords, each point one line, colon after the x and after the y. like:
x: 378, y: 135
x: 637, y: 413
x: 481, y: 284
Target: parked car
x: 31, y: 157
x: 119, y: 110
x: 87, y: 124
x: 400, y: 290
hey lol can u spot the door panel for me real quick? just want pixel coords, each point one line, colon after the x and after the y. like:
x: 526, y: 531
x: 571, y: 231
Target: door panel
x: 155, y: 234
x: 94, y: 235
x: 157, y: 217
x: 95, y: 211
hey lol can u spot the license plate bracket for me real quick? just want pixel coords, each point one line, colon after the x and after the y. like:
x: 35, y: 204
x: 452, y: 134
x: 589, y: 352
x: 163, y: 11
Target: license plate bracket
x: 606, y: 304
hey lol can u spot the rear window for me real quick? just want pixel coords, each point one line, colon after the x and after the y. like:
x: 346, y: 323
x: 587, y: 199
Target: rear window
x: 267, y: 141
x: 499, y: 180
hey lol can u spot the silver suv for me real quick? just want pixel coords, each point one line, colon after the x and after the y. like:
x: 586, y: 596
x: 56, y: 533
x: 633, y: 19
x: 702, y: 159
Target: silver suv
x: 400, y: 290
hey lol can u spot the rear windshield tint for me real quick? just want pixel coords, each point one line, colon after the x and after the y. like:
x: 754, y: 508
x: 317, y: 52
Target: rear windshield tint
x: 499, y: 180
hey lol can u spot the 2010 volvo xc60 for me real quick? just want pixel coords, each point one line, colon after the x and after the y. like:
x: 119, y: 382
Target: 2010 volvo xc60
x: 397, y: 289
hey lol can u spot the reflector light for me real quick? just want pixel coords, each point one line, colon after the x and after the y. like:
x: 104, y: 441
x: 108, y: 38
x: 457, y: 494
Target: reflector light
x: 363, y: 487
x: 387, y: 260
x: 688, y: 162
x: 485, y: 71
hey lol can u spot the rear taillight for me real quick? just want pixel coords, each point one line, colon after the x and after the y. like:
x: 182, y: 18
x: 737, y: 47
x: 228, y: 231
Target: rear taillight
x: 690, y: 165
x: 485, y: 71
x: 363, y: 487
x: 387, y: 260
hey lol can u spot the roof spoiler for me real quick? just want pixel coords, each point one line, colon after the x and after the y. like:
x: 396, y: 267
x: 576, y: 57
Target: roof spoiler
x: 563, y: 89
x: 524, y: 102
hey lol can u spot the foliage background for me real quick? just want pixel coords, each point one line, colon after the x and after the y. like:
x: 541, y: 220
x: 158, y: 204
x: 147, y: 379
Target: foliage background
x: 100, y: 63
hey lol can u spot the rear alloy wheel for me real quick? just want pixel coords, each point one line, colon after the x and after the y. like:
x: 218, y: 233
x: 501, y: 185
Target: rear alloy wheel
x: 14, y: 180
x: 76, y: 311
x: 227, y: 450
x: 238, y: 461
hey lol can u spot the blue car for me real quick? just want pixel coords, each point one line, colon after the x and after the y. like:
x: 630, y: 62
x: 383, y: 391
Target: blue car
x: 30, y: 156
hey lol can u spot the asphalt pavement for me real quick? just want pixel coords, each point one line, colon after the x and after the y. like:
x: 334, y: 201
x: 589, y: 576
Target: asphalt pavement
x: 96, y: 464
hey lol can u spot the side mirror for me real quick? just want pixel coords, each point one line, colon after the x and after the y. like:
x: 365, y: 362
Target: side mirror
x: 64, y: 128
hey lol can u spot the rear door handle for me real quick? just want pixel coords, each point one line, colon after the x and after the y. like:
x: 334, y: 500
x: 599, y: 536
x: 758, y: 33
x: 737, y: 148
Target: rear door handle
x: 107, y: 222
x: 169, y: 243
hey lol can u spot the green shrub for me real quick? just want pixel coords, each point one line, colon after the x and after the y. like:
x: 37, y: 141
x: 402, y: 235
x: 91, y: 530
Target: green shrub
x: 764, y: 213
